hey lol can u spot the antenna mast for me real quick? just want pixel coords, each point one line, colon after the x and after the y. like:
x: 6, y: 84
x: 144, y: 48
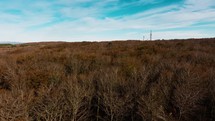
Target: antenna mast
x: 150, y: 34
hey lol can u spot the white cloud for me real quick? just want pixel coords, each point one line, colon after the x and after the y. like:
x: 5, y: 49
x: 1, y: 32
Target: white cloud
x: 86, y: 24
x: 180, y: 34
x: 199, y: 4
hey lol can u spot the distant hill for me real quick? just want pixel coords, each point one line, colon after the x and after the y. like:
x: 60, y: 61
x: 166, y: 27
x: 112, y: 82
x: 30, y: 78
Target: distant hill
x: 9, y: 42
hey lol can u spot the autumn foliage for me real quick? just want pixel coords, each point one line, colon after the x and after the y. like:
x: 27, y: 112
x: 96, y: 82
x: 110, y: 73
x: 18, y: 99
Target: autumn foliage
x: 108, y: 81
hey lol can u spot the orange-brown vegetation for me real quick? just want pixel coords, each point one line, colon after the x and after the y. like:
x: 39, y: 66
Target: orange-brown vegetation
x: 108, y: 81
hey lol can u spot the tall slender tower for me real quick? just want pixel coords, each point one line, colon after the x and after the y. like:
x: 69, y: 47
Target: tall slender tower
x: 150, y: 34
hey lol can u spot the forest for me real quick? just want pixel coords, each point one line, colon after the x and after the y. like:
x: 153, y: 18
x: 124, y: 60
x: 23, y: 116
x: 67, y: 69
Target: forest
x: 162, y: 80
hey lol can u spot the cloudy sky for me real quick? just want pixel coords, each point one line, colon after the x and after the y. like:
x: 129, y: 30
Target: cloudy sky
x: 82, y: 20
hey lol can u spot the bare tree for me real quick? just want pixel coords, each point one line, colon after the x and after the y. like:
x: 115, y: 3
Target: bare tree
x: 79, y: 94
x: 113, y: 95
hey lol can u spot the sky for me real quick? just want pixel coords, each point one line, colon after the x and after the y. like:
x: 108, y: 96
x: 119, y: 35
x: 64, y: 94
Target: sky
x: 102, y: 20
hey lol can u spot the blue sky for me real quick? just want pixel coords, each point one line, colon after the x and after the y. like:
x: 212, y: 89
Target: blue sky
x: 98, y: 20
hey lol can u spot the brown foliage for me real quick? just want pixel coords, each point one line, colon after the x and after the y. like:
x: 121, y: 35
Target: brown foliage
x: 108, y: 81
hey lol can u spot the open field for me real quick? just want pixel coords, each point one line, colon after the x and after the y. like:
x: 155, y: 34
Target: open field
x: 108, y: 81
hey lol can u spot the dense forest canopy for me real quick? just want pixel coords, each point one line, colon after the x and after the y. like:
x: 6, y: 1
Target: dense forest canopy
x: 108, y: 81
